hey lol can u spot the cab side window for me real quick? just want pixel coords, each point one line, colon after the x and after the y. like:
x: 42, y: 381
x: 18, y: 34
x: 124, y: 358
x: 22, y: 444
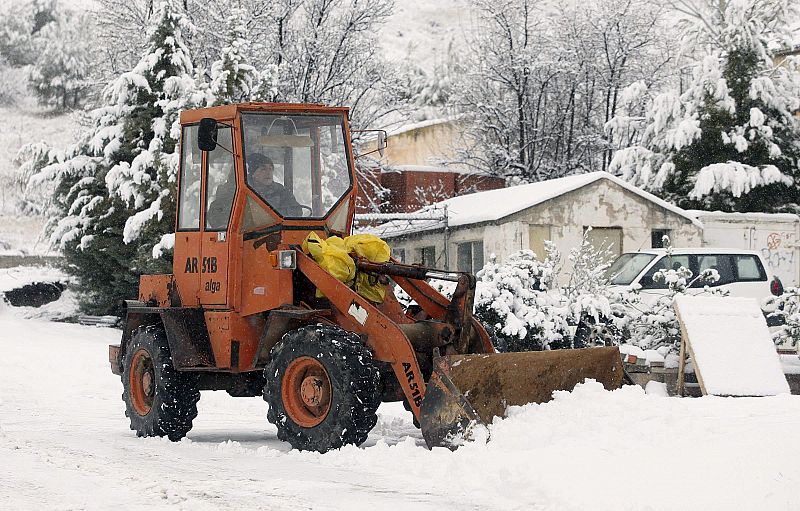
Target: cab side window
x: 220, y: 183
x: 189, y: 196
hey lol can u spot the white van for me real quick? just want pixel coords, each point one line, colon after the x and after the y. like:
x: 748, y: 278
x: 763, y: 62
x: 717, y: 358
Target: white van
x: 741, y: 272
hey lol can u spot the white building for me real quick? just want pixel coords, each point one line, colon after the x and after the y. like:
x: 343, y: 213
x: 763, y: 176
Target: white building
x: 503, y: 221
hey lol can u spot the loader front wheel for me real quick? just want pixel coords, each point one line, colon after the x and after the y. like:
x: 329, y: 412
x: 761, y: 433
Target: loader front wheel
x: 322, y: 388
x: 159, y: 400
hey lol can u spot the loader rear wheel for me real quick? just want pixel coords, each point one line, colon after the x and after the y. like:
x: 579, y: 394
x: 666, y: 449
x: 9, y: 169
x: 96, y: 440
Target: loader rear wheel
x: 322, y: 388
x: 159, y: 400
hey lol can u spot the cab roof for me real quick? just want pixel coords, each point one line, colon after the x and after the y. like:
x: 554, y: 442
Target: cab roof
x: 230, y: 111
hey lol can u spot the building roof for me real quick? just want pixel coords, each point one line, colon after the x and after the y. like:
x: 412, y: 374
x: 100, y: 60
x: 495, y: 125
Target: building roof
x: 742, y: 217
x: 493, y: 205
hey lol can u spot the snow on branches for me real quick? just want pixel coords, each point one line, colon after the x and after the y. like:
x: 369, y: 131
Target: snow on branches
x: 729, y: 141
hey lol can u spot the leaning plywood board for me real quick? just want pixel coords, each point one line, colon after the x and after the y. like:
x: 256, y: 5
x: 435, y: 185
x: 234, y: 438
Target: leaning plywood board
x: 730, y: 346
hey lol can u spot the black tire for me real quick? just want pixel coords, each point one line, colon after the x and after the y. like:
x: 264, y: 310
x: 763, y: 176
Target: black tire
x: 159, y: 400
x: 347, y: 412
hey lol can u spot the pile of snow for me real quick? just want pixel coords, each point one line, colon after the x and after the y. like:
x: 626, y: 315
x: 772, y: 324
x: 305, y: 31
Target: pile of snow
x: 66, y: 306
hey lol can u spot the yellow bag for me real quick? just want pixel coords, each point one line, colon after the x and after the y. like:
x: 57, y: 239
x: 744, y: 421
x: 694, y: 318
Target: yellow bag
x: 334, y: 256
x: 373, y: 249
x: 368, y: 246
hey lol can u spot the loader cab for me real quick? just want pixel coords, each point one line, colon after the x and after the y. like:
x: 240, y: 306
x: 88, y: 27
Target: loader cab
x: 254, y: 178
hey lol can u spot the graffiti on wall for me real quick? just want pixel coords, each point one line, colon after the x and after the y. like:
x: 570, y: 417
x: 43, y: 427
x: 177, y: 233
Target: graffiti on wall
x: 779, y: 251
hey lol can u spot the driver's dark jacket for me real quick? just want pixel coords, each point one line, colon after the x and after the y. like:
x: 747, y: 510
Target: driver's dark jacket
x: 277, y: 196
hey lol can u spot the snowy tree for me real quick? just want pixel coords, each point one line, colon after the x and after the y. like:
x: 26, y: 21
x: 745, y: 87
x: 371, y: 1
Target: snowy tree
x: 730, y: 140
x: 20, y: 24
x: 59, y: 76
x: 115, y: 190
x: 232, y: 78
x: 541, y: 78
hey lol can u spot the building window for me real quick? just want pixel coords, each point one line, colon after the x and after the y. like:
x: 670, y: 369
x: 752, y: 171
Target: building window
x: 606, y: 237
x: 399, y: 254
x: 470, y: 256
x: 657, y: 237
x: 426, y: 256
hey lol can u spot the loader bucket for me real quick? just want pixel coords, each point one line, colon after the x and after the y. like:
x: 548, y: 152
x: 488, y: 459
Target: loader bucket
x: 465, y: 390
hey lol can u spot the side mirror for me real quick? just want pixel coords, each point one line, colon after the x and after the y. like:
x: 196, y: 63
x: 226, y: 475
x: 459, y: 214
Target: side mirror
x: 207, y: 134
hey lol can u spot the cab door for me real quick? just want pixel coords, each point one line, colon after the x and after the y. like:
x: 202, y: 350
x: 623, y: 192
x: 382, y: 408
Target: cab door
x: 220, y: 190
x: 186, y: 256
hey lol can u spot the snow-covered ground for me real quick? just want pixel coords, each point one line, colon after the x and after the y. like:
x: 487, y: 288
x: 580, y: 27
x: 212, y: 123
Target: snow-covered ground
x: 65, y: 444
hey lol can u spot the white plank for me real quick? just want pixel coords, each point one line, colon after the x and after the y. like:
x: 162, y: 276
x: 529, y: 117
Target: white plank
x: 731, y: 346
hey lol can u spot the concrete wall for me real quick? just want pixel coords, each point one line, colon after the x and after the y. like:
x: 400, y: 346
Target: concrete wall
x: 600, y: 204
x: 12, y: 261
x: 426, y: 143
x: 776, y: 236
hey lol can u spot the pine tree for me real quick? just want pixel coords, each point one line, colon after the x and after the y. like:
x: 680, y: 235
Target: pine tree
x: 232, y: 78
x: 730, y: 141
x: 115, y: 189
x: 59, y: 76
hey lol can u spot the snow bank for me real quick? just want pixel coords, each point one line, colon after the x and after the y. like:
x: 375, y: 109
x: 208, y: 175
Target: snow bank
x: 13, y: 278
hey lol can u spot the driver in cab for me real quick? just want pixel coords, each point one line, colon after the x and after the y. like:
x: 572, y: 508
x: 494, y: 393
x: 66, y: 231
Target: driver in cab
x: 260, y: 170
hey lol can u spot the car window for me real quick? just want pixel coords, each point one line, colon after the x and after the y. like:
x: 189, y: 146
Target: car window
x: 665, y: 263
x: 719, y: 262
x: 627, y: 267
x: 749, y: 268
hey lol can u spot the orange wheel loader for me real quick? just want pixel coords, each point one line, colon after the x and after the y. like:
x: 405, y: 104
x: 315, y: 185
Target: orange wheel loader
x: 247, y: 311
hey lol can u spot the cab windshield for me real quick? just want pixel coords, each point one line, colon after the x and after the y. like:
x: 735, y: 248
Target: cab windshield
x: 298, y: 164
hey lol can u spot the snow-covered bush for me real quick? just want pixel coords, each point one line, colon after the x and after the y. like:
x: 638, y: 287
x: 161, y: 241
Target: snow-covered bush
x: 586, y: 293
x: 788, y: 309
x: 513, y: 300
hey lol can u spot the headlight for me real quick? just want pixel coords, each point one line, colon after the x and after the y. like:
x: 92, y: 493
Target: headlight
x: 287, y: 260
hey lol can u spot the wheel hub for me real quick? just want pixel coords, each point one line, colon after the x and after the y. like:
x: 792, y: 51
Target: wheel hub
x: 313, y: 391
x: 306, y: 392
x: 141, y: 379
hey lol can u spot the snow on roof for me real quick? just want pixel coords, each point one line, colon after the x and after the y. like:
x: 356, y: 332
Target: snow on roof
x: 492, y: 205
x: 419, y: 125
x: 432, y: 168
x: 743, y: 217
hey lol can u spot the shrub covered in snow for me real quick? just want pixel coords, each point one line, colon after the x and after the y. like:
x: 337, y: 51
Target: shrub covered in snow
x: 513, y: 300
x: 520, y: 299
x: 788, y: 309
